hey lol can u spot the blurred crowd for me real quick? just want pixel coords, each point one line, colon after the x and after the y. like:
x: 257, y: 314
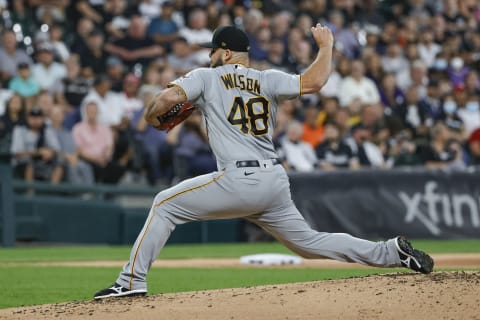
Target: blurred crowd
x: 75, y: 76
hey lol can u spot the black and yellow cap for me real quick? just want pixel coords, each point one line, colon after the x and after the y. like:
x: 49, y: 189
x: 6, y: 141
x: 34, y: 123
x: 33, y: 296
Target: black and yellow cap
x: 229, y: 37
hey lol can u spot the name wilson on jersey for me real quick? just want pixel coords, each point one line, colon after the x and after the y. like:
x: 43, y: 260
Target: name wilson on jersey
x: 233, y: 80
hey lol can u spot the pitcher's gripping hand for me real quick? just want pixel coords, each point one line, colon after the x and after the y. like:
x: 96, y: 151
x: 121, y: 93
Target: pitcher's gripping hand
x: 323, y: 36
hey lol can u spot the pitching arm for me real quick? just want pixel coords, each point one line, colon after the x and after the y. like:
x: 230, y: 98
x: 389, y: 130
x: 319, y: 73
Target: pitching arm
x: 162, y: 103
x: 316, y: 75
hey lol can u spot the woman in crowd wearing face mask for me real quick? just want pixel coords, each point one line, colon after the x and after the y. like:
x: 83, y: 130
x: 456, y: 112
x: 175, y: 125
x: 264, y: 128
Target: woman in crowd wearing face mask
x: 470, y: 114
x: 450, y: 114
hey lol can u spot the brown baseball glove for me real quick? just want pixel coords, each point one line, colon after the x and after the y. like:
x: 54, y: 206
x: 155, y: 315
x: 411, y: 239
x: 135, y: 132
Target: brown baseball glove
x: 174, y: 116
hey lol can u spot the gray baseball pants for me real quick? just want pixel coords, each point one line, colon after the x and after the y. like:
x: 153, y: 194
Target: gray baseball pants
x: 263, y: 197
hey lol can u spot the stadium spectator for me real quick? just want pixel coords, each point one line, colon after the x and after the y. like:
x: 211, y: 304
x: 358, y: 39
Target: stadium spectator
x: 276, y: 55
x: 14, y: 115
x: 196, y: 33
x: 394, y: 61
x: 302, y: 56
x: 430, y: 103
x: 156, y: 152
x: 71, y: 90
x: 84, y: 27
x: 470, y: 114
x: 373, y: 67
x: 474, y: 148
x: 404, y: 151
x: 333, y: 152
x: 93, y: 59
x: 181, y: 59
x: 450, y: 114
x: 457, y: 71
x: 345, y: 39
x: 47, y: 71
x: 167, y: 75
x: 472, y: 83
x: 45, y: 102
x: 358, y: 87
x: 191, y: 153
x: 442, y: 151
x: 359, y: 136
x: 299, y: 155
x: 163, y: 29
x: 56, y: 38
x: 415, y: 76
x: 116, y: 18
x: 312, y: 130
x: 129, y: 100
x: 427, y: 48
x: 280, y: 25
x: 135, y: 47
x: 391, y: 96
x: 11, y: 56
x: 413, y: 116
x: 151, y: 81
x: 77, y: 170
x: 24, y: 84
x: 253, y: 25
x: 94, y: 141
x: 115, y: 73
x: 123, y: 156
x: 109, y: 111
x: 35, y: 149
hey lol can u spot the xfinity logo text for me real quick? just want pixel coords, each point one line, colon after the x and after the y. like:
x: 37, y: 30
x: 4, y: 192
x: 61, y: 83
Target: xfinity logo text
x: 432, y: 208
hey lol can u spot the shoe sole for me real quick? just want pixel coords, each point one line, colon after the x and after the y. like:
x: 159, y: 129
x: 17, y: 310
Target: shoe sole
x: 423, y: 261
x: 131, y: 293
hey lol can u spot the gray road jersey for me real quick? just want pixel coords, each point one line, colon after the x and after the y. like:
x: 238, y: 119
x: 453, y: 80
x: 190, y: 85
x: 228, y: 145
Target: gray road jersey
x: 239, y: 105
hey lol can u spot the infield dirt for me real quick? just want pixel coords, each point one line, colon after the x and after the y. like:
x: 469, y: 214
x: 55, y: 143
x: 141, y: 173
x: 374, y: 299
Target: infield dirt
x: 440, y: 295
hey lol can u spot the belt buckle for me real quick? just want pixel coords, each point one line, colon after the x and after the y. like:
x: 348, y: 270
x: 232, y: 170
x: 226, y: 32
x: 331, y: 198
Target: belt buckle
x: 266, y: 164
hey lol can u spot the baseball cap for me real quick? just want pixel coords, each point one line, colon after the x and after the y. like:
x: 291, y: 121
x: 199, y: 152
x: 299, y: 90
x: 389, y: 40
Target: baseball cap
x: 113, y: 61
x: 23, y: 65
x: 229, y: 37
x: 45, y: 47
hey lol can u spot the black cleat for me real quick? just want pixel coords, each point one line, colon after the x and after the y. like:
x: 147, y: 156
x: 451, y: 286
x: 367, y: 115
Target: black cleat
x: 412, y: 258
x: 117, y: 290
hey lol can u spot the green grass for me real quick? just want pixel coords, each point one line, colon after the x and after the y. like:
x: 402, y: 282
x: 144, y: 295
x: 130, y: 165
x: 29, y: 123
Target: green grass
x: 27, y: 285
x: 24, y: 284
x: 94, y: 253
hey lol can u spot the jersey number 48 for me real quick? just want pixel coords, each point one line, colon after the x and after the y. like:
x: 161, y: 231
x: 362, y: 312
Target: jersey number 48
x: 252, y: 116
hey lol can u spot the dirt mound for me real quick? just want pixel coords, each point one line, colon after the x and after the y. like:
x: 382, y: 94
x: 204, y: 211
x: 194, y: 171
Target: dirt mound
x: 440, y: 295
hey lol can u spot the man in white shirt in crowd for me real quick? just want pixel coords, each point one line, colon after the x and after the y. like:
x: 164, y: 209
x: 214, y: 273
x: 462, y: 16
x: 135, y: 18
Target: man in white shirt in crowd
x: 46, y: 71
x: 197, y: 33
x: 110, y: 110
x: 299, y: 155
x: 358, y: 86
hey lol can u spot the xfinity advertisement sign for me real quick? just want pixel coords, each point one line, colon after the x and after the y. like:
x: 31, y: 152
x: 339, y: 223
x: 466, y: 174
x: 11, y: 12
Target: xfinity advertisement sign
x: 432, y: 208
x: 379, y: 204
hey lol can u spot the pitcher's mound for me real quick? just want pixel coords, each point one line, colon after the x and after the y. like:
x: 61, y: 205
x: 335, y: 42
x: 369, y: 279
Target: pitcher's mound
x: 440, y: 295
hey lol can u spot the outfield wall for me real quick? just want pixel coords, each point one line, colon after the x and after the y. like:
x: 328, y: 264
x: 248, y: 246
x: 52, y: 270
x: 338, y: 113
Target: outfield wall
x: 369, y: 203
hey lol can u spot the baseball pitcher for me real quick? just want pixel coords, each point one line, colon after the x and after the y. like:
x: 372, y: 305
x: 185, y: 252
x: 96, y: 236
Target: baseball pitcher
x: 239, y: 105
